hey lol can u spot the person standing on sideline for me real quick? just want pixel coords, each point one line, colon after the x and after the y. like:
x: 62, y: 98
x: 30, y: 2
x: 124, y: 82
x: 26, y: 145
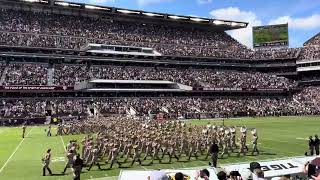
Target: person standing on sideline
x: 24, y: 127
x: 311, y: 146
x: 49, y: 131
x: 46, y: 161
x: 214, y: 151
x: 316, y: 144
x: 77, y: 167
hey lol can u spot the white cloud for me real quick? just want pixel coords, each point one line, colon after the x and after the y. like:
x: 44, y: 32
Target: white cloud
x: 244, y: 35
x: 148, y: 2
x: 309, y: 22
x: 101, y: 1
x: 204, y: 1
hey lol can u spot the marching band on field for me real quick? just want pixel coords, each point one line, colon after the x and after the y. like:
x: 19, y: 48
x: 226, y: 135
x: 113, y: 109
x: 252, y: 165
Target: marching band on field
x: 120, y: 140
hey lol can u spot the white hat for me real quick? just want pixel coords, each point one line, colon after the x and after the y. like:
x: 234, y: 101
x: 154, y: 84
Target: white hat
x: 243, y: 129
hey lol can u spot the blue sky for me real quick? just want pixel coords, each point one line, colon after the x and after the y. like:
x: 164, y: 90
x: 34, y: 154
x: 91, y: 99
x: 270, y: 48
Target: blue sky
x: 303, y: 16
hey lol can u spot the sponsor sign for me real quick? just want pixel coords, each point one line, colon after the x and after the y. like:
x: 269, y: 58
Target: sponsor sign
x: 275, y: 168
x: 34, y: 88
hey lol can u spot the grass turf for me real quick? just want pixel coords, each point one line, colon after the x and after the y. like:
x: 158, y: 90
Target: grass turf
x: 279, y: 137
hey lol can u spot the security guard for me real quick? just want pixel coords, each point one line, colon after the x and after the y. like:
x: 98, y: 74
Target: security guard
x: 77, y: 167
x: 316, y: 144
x: 214, y: 151
x: 311, y: 146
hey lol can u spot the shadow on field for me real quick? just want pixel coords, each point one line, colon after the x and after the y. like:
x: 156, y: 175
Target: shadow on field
x: 262, y: 152
x: 54, y: 174
x: 266, y: 153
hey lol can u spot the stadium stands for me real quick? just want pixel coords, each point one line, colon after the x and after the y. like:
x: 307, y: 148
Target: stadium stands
x: 310, y: 53
x: 314, y: 41
x: 26, y: 74
x: 311, y: 49
x: 19, y: 28
x: 304, y: 103
x: 233, y: 84
x: 39, y: 29
x: 69, y: 74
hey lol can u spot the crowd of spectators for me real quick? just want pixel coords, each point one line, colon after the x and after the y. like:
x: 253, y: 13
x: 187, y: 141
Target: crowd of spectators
x: 305, y: 102
x: 310, y: 53
x: 34, y: 29
x: 311, y: 49
x: 315, y: 41
x: 2, y: 67
x: 70, y: 74
x: 26, y: 74
x: 22, y: 108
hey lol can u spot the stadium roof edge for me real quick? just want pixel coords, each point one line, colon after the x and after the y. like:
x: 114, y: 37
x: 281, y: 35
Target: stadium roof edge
x: 318, y: 34
x: 124, y: 14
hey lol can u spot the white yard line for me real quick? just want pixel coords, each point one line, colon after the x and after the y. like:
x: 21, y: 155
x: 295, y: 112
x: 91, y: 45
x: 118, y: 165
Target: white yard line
x: 5, y: 164
x: 300, y: 138
x: 276, y: 140
x: 63, y: 144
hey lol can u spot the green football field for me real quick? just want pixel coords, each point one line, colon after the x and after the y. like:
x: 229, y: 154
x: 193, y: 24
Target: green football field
x: 21, y: 158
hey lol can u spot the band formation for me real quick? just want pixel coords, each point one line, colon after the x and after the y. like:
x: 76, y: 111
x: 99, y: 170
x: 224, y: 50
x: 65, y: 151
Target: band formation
x: 124, y: 141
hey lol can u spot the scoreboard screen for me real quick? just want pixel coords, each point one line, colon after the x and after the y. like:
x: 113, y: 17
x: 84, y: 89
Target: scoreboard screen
x: 273, y: 35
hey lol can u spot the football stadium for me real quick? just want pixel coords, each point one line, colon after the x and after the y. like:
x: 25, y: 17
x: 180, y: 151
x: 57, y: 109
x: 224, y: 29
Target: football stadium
x: 98, y: 92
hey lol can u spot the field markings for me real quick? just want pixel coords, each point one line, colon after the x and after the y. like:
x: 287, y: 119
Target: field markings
x: 8, y: 160
x: 300, y: 138
x: 58, y: 159
x: 276, y: 140
x: 63, y: 144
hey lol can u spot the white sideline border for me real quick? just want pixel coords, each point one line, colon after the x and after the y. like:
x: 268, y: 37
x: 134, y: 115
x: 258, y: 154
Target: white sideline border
x: 8, y: 160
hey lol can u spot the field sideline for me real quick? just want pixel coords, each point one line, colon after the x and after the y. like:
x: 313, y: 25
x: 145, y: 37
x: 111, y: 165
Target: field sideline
x: 279, y: 137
